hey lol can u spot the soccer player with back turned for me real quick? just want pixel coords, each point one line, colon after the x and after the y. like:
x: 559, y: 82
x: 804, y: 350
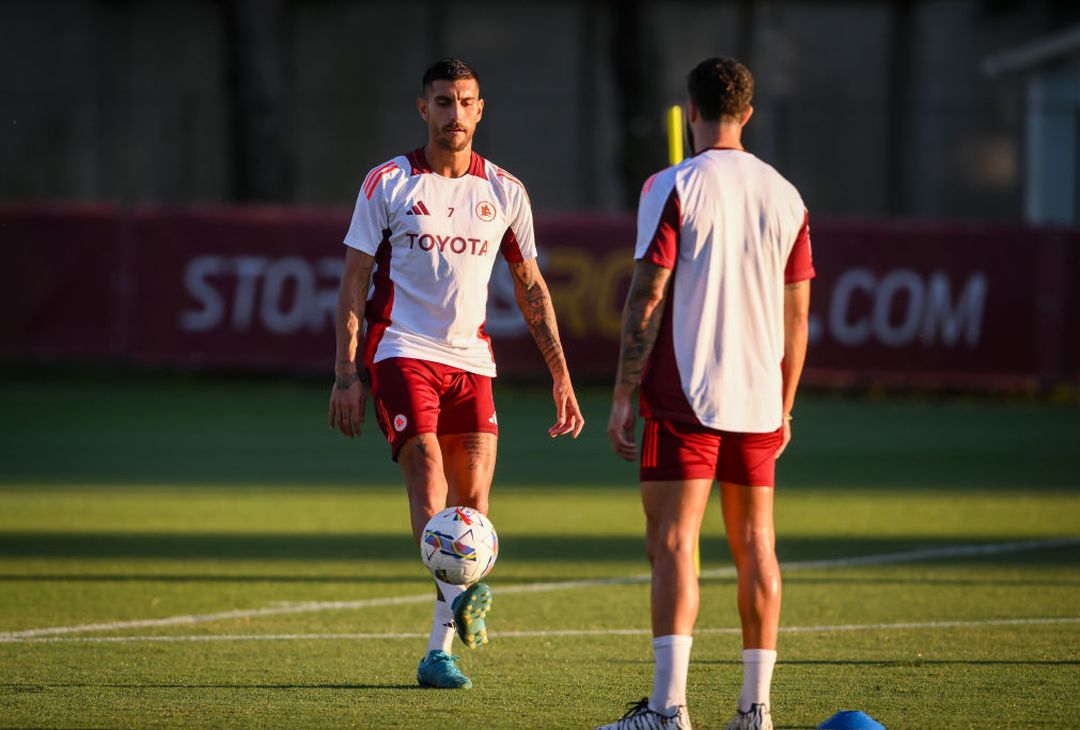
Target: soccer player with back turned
x: 714, y: 333
x: 426, y: 231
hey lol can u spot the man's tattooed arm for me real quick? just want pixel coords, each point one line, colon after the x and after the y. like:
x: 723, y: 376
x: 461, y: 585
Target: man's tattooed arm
x: 535, y: 303
x: 345, y: 378
x: 642, y: 314
x: 352, y: 300
x: 533, y: 299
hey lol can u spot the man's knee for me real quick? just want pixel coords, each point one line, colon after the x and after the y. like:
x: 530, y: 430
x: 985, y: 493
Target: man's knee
x: 423, y: 448
x: 420, y: 459
x: 758, y: 559
x: 669, y: 540
x: 753, y: 540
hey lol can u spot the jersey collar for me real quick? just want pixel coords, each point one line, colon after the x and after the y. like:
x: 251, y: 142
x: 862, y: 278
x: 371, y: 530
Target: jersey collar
x: 420, y: 165
x: 721, y: 148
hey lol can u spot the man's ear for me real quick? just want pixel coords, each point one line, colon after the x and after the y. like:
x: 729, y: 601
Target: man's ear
x: 692, y: 112
x: 421, y: 108
x: 746, y: 116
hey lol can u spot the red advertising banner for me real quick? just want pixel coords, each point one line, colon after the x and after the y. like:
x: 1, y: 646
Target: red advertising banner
x: 235, y: 288
x: 256, y: 289
x: 937, y: 305
x: 59, y: 281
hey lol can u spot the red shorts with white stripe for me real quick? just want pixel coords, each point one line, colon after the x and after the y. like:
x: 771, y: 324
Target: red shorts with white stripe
x: 418, y: 396
x: 673, y: 451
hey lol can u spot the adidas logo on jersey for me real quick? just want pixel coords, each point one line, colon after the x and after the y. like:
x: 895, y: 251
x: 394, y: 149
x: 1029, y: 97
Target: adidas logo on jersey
x: 418, y: 209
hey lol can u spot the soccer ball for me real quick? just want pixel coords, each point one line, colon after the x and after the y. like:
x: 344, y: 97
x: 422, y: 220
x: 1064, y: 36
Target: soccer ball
x: 459, y: 545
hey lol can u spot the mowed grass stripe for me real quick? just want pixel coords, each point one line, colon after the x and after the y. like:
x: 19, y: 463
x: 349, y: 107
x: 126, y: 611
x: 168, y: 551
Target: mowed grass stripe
x: 954, y: 551
x: 541, y: 634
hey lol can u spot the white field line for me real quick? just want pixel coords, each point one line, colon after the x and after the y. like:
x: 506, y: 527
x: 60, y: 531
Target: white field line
x: 546, y: 634
x: 954, y: 551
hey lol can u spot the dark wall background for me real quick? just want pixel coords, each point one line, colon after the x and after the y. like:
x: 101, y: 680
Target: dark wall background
x: 873, y: 108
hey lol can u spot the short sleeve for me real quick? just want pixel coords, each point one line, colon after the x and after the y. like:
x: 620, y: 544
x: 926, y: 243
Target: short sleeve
x: 370, y: 216
x: 658, y: 222
x: 800, y: 264
x: 519, y: 241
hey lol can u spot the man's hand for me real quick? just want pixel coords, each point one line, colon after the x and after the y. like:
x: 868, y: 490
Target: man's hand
x: 620, y: 429
x: 786, y: 433
x: 567, y: 412
x: 347, y: 399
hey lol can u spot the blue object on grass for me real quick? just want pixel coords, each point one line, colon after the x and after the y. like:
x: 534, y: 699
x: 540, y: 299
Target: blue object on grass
x: 851, y: 720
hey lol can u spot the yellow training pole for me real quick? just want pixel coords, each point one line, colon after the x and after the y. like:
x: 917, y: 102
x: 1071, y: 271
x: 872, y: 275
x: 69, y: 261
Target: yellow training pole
x: 674, y: 135
x: 675, y: 156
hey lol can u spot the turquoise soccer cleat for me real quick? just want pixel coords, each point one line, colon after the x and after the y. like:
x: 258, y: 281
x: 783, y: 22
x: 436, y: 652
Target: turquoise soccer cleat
x: 469, y: 609
x: 439, y: 670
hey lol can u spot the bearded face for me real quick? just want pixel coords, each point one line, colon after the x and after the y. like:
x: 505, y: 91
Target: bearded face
x: 452, y: 109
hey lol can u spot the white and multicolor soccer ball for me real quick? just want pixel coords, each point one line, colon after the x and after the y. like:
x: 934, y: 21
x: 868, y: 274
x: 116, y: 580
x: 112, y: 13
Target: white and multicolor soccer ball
x: 459, y: 545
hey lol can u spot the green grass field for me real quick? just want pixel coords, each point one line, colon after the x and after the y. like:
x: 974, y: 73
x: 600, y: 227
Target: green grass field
x: 206, y: 553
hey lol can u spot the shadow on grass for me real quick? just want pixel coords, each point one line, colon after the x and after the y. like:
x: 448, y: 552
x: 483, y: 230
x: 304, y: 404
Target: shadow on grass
x: 32, y: 687
x: 534, y: 548
x: 125, y: 427
x: 419, y: 577
x: 906, y: 663
x: 794, y: 579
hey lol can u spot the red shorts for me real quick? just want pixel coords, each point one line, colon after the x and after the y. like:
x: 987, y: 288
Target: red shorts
x: 418, y: 396
x: 673, y: 451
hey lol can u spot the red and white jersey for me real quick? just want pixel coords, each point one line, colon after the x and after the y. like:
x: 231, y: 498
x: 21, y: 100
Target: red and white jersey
x: 734, y: 232
x: 435, y: 240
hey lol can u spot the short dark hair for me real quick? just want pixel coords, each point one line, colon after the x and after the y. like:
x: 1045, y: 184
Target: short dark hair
x: 448, y: 69
x: 720, y: 87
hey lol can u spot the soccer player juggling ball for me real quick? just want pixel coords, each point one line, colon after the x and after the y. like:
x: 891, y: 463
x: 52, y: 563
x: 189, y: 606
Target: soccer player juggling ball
x: 714, y: 334
x: 426, y: 231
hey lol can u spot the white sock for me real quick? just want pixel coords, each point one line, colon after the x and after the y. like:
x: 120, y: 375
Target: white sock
x: 757, y: 677
x: 671, y: 661
x: 442, y: 623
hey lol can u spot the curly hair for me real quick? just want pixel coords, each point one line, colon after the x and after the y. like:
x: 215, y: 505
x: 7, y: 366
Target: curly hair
x: 720, y: 87
x: 448, y: 69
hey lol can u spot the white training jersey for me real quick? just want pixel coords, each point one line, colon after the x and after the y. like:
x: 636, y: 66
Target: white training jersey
x: 435, y: 240
x: 734, y: 232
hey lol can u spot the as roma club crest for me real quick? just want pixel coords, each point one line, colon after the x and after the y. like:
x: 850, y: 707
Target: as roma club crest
x: 485, y: 211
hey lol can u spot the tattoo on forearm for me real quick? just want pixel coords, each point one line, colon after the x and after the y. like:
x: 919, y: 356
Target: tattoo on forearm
x: 349, y: 319
x: 345, y: 380
x: 535, y: 304
x: 642, y: 316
